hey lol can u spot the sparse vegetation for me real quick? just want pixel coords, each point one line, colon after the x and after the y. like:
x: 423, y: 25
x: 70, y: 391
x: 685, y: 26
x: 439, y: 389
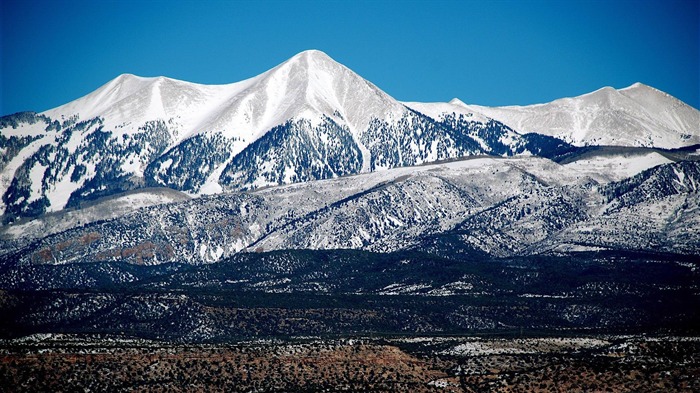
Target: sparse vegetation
x: 312, y: 365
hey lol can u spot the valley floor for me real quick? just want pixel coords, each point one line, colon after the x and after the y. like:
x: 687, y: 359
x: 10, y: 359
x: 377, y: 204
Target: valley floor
x: 345, y: 320
x: 416, y: 364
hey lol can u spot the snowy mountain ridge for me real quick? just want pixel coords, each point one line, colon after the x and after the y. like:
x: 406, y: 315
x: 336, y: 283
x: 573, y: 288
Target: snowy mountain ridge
x: 308, y: 118
x: 638, y: 115
x: 309, y: 85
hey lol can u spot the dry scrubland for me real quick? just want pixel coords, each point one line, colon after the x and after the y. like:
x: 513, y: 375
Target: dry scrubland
x: 627, y: 364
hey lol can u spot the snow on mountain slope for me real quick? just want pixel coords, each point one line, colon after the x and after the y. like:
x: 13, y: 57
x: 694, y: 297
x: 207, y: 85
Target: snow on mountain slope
x: 313, y: 118
x: 498, y: 206
x: 106, y: 209
x: 668, y: 110
x: 638, y: 115
x: 491, y: 135
x: 438, y: 110
x: 657, y: 210
x: 129, y: 101
x: 209, y: 228
x: 309, y: 85
x: 412, y: 203
x: 615, y: 167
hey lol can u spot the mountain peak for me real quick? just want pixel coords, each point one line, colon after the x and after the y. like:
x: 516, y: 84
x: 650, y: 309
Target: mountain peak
x: 127, y: 76
x: 311, y: 83
x: 312, y: 59
x: 637, y: 85
x: 312, y: 53
x: 639, y: 89
x: 602, y: 92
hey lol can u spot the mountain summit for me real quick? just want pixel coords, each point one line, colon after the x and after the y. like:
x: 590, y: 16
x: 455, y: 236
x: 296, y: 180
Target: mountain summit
x: 311, y: 84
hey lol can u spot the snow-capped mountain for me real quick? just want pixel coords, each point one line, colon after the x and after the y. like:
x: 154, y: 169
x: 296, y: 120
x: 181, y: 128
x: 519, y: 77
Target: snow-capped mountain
x: 638, y: 115
x: 308, y: 118
x: 125, y: 211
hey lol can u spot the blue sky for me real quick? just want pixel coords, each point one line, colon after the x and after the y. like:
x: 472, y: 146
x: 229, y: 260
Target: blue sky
x: 489, y: 53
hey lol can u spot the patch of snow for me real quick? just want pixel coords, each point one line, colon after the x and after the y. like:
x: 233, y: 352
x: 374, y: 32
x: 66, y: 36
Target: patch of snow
x: 36, y: 176
x: 59, y: 193
x: 8, y: 173
x: 607, y: 168
x: 402, y: 289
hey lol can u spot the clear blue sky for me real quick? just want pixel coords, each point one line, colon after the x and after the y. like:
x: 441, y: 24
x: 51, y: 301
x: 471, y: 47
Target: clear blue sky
x: 489, y: 53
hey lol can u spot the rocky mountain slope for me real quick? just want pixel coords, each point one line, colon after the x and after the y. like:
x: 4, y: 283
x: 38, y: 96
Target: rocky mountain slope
x: 500, y: 207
